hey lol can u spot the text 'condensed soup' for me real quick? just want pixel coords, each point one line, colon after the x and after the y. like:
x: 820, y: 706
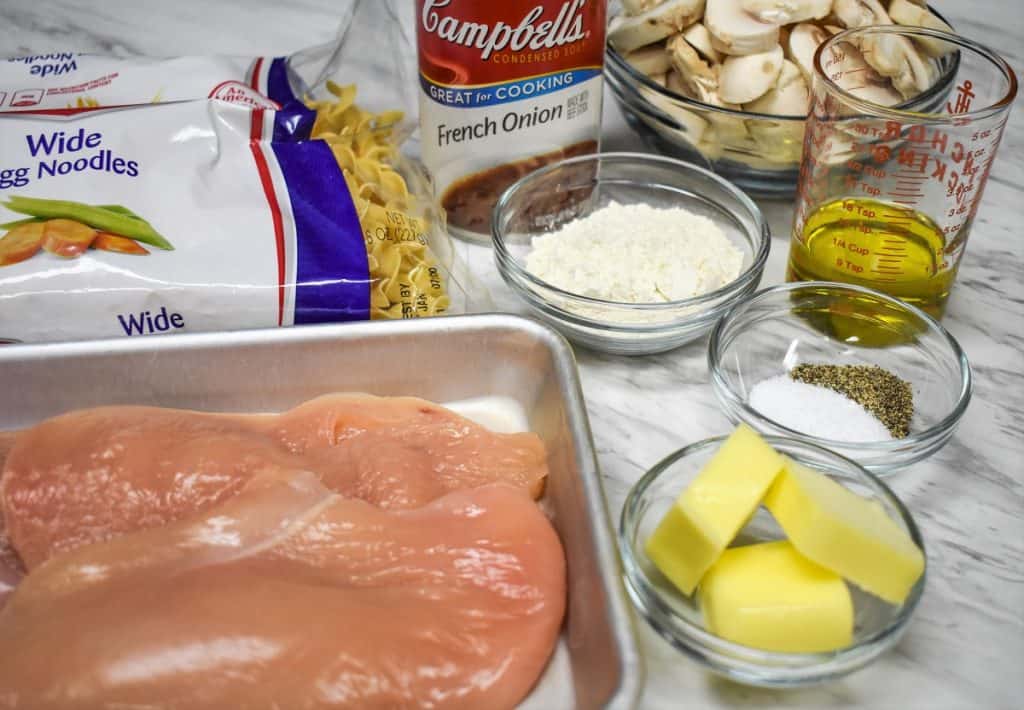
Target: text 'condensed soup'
x: 505, y: 87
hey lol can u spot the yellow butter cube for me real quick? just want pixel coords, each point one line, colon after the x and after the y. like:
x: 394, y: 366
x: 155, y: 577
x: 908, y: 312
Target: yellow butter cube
x: 708, y: 514
x: 771, y: 597
x: 843, y: 532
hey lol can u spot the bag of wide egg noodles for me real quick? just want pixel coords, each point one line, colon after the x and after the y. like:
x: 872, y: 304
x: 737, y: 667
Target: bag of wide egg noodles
x: 142, y: 196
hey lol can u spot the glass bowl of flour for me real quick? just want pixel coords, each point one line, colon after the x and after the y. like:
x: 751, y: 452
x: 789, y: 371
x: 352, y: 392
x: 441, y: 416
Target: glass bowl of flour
x: 629, y: 253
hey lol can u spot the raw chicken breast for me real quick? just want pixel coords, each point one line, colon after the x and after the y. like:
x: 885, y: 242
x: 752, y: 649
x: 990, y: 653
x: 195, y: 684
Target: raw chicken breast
x: 288, y: 596
x: 88, y: 475
x: 399, y: 452
x: 11, y: 569
x: 6, y: 443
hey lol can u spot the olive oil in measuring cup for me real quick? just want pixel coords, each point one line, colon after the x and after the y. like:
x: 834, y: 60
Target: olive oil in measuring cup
x: 868, y: 242
x: 888, y: 194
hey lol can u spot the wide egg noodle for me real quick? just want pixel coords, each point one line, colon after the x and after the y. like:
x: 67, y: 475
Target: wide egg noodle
x: 405, y: 280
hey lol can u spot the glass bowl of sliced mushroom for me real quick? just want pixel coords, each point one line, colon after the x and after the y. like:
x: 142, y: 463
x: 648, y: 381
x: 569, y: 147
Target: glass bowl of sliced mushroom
x: 725, y: 83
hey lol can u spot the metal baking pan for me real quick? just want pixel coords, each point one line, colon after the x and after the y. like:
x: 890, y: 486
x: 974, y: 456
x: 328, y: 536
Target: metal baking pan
x: 443, y: 360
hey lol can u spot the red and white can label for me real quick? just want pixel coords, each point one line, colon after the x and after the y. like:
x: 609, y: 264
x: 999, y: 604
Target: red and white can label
x: 505, y: 85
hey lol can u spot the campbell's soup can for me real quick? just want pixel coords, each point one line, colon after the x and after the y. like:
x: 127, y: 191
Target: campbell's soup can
x: 505, y: 87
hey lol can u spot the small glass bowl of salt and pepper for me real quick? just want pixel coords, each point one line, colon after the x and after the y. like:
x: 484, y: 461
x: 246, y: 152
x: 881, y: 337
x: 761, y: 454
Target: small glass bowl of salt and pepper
x: 844, y: 367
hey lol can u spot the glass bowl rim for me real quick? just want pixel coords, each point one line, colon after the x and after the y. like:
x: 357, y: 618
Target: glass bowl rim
x: 759, y: 256
x: 616, y: 61
x: 697, y: 638
x: 721, y: 386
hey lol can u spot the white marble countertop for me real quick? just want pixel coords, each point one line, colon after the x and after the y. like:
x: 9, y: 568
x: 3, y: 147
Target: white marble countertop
x: 965, y: 647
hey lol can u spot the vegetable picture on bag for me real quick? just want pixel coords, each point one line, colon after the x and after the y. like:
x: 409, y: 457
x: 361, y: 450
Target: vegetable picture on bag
x: 67, y: 229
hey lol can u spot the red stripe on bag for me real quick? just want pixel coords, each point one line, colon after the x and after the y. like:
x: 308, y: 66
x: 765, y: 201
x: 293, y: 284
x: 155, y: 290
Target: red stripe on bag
x: 275, y: 209
x: 255, y: 79
x: 256, y: 131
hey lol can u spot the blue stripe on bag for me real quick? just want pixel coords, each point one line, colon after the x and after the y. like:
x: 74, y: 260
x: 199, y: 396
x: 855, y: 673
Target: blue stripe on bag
x: 293, y: 121
x: 332, y: 275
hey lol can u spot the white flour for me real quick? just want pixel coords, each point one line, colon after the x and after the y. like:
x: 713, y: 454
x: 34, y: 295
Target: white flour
x: 636, y: 254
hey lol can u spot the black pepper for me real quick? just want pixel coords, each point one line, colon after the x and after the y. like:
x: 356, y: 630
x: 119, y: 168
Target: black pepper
x: 882, y: 393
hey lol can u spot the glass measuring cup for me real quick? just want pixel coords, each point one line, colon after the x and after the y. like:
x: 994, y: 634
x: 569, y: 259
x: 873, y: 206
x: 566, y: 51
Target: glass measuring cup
x: 887, y: 194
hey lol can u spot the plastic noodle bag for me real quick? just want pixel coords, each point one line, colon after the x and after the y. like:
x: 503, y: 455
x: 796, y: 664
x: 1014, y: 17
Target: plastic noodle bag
x: 142, y: 196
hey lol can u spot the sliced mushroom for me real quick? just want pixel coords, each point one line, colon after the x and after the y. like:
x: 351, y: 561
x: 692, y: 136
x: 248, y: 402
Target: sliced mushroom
x: 706, y: 94
x: 897, y: 58
x: 660, y: 79
x: 689, y: 125
x: 890, y: 55
x: 635, y: 7
x: 691, y: 128
x: 860, y: 13
x: 654, y: 25
x: 695, y: 73
x: 850, y: 71
x: 721, y: 129
x: 905, y: 12
x: 677, y: 85
x: 693, y: 78
x: 735, y: 32
x: 652, y: 59
x: 745, y: 78
x: 700, y: 39
x: 784, y: 12
x: 788, y: 97
x: 804, y: 40
x: 833, y: 29
x: 781, y: 140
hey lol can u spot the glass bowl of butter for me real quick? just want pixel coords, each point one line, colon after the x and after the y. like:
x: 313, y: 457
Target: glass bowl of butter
x: 771, y: 561
x: 629, y: 253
